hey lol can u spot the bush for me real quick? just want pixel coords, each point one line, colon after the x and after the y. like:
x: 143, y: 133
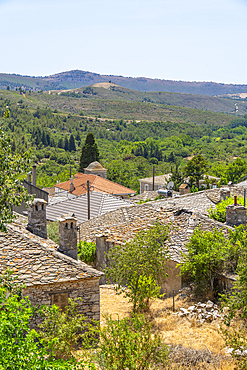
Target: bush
x: 140, y: 266
x: 61, y: 332
x: 53, y: 231
x: 219, y: 212
x: 206, y: 259
x: 86, y: 251
x: 130, y: 344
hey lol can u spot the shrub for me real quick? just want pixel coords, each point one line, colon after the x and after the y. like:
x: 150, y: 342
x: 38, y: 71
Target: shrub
x: 61, y: 331
x: 219, y: 212
x: 206, y: 258
x: 140, y: 266
x: 53, y: 231
x: 86, y: 251
x: 130, y: 344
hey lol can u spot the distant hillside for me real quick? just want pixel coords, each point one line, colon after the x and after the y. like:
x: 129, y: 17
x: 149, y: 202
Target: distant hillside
x: 76, y: 79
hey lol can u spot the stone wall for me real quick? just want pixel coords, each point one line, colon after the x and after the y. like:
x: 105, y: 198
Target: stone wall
x: 87, y: 289
x: 173, y: 281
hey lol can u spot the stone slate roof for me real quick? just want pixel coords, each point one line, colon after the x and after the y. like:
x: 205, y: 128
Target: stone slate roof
x: 36, y: 261
x: 100, y: 203
x: 185, y: 213
x: 97, y: 183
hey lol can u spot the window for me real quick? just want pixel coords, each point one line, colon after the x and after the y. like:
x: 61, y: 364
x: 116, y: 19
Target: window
x: 60, y: 300
x: 71, y: 225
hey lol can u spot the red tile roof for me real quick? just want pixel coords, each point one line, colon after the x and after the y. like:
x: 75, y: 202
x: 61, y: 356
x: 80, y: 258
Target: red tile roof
x: 97, y: 183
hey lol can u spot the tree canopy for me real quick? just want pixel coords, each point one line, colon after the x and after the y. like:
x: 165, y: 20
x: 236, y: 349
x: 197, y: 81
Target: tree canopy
x: 89, y: 152
x: 13, y: 192
x: 195, y: 168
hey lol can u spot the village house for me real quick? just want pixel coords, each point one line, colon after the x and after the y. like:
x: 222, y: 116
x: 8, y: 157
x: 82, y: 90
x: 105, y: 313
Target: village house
x: 51, y: 273
x: 78, y: 186
x: 185, y: 213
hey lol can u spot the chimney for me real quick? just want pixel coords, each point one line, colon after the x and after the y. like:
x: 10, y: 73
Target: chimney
x: 72, y: 186
x: 37, y: 218
x: 224, y: 193
x: 68, y: 236
x: 235, y: 215
x: 34, y: 174
x: 29, y: 177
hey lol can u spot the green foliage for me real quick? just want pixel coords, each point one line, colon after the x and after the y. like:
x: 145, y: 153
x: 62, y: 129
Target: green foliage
x: 13, y: 192
x: 219, y: 212
x: 139, y: 262
x: 130, y: 344
x: 22, y: 348
x: 195, y: 168
x: 61, y: 332
x: 206, y: 259
x: 53, y: 231
x: 89, y: 152
x: 236, y: 170
x: 86, y: 251
x: 235, y: 329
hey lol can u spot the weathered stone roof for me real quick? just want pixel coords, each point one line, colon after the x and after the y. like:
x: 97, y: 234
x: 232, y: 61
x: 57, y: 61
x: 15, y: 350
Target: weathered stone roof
x: 185, y: 213
x: 35, y: 261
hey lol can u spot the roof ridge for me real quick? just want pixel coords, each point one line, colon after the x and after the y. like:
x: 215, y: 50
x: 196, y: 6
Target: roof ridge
x: 79, y: 264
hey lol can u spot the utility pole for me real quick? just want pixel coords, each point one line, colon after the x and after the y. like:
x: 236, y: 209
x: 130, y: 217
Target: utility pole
x: 88, y: 200
x: 153, y: 176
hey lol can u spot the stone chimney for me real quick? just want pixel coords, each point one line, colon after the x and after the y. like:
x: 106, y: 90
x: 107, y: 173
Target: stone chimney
x: 34, y: 174
x: 29, y: 177
x: 37, y: 218
x: 224, y: 193
x: 72, y: 186
x: 68, y: 236
x: 235, y: 215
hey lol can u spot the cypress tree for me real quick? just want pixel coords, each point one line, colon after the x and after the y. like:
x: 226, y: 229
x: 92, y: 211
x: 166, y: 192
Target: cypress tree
x: 66, y: 143
x: 89, y: 152
x: 72, y: 146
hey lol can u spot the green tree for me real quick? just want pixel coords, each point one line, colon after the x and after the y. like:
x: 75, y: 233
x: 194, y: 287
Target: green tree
x: 130, y: 344
x: 13, y: 192
x: 72, y: 146
x: 66, y: 144
x: 89, y: 152
x: 140, y: 265
x: 206, y: 259
x: 195, y: 169
x: 177, y: 177
x: 236, y: 170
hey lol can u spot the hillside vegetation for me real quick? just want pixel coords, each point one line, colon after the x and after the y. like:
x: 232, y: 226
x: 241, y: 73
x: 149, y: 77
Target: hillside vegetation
x: 132, y: 134
x: 77, y: 78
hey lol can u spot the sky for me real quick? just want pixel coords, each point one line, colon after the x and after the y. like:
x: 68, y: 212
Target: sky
x: 189, y: 40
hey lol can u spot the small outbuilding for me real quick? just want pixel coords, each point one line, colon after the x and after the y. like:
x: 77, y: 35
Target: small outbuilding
x: 184, y: 189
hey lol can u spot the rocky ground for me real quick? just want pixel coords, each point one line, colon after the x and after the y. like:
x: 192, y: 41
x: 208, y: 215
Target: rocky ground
x: 191, y: 332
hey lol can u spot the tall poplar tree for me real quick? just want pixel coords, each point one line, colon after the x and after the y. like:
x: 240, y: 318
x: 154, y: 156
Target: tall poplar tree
x: 89, y: 152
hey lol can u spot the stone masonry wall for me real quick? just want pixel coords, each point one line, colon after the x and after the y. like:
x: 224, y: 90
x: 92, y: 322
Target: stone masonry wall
x: 87, y: 289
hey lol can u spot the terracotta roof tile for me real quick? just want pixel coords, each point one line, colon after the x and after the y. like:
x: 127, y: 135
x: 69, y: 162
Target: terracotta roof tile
x: 97, y: 183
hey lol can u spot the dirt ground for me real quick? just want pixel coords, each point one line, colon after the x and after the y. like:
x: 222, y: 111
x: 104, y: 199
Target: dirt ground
x: 175, y: 331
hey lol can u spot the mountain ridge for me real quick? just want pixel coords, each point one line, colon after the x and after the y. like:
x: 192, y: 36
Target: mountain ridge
x: 78, y: 78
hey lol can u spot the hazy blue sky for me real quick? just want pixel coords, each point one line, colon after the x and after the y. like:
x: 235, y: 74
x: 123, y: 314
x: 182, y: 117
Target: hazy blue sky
x: 193, y: 40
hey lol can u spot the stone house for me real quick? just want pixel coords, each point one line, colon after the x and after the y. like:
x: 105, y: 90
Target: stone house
x: 51, y: 273
x: 185, y: 213
x: 159, y: 182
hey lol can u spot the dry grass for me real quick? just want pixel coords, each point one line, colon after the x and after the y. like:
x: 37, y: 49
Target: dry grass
x: 174, y: 330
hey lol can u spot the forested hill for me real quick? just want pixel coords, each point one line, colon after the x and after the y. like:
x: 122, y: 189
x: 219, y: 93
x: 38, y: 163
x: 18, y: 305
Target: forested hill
x: 76, y: 79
